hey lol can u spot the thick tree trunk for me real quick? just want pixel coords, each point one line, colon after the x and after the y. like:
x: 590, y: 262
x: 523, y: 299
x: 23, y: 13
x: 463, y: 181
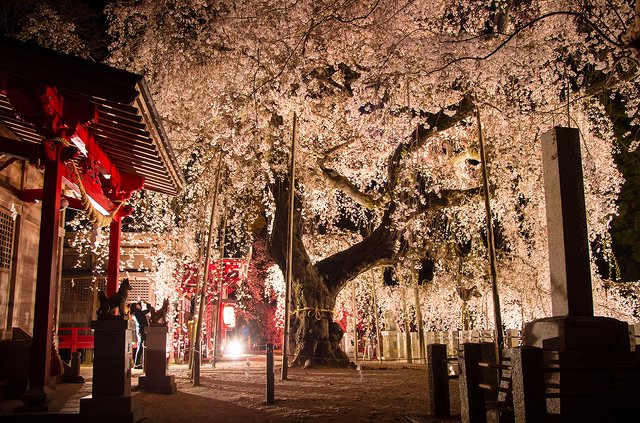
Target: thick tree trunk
x: 314, y: 336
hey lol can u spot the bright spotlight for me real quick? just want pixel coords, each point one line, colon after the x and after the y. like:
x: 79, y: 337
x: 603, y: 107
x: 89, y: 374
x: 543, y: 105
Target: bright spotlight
x: 234, y: 348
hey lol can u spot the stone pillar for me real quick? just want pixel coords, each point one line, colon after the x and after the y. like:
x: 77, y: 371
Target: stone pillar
x: 572, y: 326
x: 155, y: 362
x: 566, y: 223
x: 575, y: 337
x: 111, y: 391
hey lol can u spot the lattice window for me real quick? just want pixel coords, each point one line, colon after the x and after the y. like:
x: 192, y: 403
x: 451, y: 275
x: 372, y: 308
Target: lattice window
x: 139, y: 289
x: 79, y: 290
x: 7, y: 226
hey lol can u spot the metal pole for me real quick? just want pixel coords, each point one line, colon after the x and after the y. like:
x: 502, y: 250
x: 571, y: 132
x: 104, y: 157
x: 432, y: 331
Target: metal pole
x: 196, y: 339
x: 292, y: 178
x: 491, y: 245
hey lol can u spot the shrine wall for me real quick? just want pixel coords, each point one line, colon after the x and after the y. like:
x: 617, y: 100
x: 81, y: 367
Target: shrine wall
x: 85, y: 273
x: 19, y: 236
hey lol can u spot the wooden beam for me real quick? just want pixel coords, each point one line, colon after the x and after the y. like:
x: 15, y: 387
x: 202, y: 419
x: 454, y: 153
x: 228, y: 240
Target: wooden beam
x: 20, y: 150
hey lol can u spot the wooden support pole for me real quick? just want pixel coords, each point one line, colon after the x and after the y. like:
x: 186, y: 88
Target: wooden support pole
x: 374, y: 305
x: 39, y: 366
x: 407, y: 327
x: 355, y: 322
x: 422, y: 357
x: 289, y: 275
x: 197, y: 354
x: 216, y: 321
x: 497, y: 316
x: 115, y: 237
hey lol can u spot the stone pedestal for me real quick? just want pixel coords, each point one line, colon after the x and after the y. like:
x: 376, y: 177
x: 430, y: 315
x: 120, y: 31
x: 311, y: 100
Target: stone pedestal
x: 577, y: 333
x: 111, y: 396
x: 155, y: 362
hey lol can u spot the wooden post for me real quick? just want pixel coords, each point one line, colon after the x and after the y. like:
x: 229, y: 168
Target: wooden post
x: 39, y: 366
x: 438, y: 380
x: 115, y: 236
x: 196, y: 339
x: 420, y: 326
x: 490, y: 244
x: 375, y: 315
x: 216, y: 322
x: 407, y: 327
x: 289, y: 275
x: 355, y: 322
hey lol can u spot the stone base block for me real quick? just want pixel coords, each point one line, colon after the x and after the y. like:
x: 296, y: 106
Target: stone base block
x: 577, y: 333
x: 116, y: 409
x: 158, y: 384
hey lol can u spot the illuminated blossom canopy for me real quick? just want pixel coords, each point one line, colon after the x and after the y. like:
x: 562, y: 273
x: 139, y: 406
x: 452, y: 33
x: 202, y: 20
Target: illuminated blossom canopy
x: 386, y: 95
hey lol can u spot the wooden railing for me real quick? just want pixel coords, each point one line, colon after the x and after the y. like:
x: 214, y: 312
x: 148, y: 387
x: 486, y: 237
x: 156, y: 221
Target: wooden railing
x: 75, y: 338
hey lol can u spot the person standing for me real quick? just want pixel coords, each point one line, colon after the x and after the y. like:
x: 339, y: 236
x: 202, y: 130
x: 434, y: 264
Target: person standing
x: 140, y: 317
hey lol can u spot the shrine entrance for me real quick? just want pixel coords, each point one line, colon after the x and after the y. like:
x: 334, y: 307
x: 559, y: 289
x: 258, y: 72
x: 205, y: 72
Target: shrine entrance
x: 85, y: 136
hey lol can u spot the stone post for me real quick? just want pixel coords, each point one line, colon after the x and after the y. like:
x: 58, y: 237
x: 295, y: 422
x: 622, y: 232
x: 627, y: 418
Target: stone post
x: 270, y: 376
x: 438, y: 380
x: 527, y: 378
x: 111, y: 390
x: 155, y: 378
x: 472, y: 398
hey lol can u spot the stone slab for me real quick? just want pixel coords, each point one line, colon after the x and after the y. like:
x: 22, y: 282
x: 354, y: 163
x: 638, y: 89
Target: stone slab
x: 577, y: 333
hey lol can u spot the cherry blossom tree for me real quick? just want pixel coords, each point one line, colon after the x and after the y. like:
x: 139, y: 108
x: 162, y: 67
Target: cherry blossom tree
x: 387, y: 93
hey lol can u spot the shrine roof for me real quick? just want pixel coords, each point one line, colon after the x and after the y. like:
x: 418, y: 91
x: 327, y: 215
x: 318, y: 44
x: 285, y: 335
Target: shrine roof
x: 124, y: 121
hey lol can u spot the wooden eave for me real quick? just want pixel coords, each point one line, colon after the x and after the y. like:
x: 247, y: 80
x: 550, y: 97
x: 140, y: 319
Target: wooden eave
x: 128, y: 128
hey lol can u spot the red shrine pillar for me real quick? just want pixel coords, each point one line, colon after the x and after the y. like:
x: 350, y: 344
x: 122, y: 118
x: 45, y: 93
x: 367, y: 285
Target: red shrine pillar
x: 115, y: 235
x: 55, y: 156
x: 113, y: 274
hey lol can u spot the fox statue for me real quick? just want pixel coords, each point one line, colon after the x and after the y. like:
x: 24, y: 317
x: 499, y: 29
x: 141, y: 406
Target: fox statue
x: 117, y: 300
x: 156, y: 316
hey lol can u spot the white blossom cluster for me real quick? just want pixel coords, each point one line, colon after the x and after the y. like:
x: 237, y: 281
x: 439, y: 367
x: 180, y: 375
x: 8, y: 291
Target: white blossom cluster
x: 361, y: 76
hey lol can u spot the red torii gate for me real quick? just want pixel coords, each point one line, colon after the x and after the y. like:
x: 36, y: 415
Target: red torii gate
x: 96, y: 129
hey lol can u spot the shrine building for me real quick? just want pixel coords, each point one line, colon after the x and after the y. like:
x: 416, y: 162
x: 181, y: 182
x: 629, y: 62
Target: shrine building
x: 73, y: 134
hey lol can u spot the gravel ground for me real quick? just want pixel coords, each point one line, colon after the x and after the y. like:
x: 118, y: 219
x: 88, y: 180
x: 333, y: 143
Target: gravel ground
x: 234, y: 391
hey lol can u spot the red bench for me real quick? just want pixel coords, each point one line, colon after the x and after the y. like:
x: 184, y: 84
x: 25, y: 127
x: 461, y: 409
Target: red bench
x: 74, y: 338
